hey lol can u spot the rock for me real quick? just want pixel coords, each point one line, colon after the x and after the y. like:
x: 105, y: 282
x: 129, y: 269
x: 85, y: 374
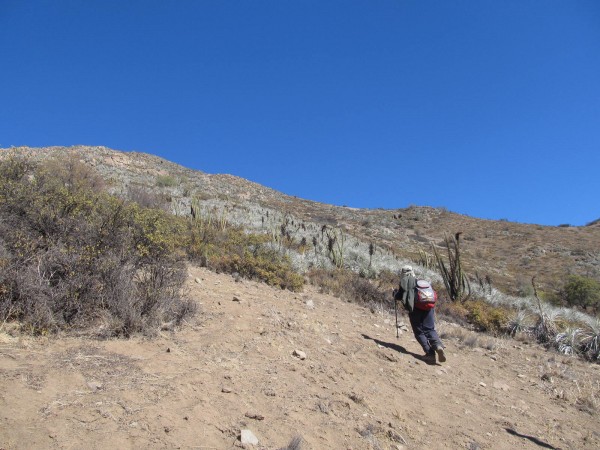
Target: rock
x: 310, y: 304
x: 546, y: 377
x: 247, y: 437
x: 197, y: 280
x: 299, y: 354
x: 226, y: 390
x: 482, y: 384
x: 237, y: 299
x: 94, y: 386
x: 255, y: 416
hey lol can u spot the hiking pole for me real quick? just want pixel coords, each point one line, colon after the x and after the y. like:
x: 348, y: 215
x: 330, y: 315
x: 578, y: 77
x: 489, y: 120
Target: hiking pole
x: 396, y: 310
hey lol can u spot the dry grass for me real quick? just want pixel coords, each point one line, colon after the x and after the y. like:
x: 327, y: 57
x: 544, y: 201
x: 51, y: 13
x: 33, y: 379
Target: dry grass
x: 470, y: 339
x: 563, y: 382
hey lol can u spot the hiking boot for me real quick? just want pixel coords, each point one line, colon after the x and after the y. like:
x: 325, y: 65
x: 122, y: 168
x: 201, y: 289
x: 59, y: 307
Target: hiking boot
x: 429, y: 357
x: 440, y: 353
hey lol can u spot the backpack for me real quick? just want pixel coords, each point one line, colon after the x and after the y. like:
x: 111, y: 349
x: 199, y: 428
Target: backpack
x: 425, y: 296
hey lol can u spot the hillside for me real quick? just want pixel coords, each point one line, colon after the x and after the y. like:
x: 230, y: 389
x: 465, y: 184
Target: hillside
x: 510, y: 254
x: 233, y: 368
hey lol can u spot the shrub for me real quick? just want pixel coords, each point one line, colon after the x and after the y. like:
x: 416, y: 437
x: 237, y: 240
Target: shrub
x: 166, y: 181
x: 146, y: 198
x: 486, y: 317
x: 228, y: 249
x: 74, y: 256
x: 350, y: 286
x: 582, y: 291
x: 453, y: 311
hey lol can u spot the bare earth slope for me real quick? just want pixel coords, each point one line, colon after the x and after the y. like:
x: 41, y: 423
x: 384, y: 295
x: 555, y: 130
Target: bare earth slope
x: 233, y: 368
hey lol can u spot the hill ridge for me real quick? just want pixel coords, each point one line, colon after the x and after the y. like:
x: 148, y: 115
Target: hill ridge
x: 509, y: 253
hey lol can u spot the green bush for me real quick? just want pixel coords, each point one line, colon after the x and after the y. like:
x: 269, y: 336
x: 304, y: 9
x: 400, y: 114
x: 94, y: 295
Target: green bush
x: 582, y: 292
x: 487, y: 317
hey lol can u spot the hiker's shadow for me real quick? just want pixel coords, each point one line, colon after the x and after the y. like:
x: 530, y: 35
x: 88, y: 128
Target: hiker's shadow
x: 399, y: 349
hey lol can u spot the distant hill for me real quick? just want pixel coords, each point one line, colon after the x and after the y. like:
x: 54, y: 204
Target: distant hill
x: 510, y: 254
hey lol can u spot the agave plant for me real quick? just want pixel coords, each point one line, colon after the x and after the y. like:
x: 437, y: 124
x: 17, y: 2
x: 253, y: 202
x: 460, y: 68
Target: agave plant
x: 546, y: 327
x: 591, y: 339
x: 520, y: 322
x: 569, y: 342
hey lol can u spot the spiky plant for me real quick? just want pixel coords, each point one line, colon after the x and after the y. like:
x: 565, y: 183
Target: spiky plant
x: 591, y: 339
x: 455, y: 280
x: 569, y: 341
x: 425, y: 259
x: 519, y: 323
x: 546, y: 327
x: 335, y: 246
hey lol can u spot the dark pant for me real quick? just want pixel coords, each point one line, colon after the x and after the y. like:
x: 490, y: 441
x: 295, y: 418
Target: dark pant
x: 423, y: 326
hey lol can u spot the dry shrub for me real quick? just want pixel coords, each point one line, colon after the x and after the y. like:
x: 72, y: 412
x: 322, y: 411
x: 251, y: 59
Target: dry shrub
x: 225, y: 248
x: 144, y: 197
x: 559, y: 378
x: 350, y: 286
x: 587, y: 395
x: 73, y: 256
x: 470, y: 339
x: 453, y: 311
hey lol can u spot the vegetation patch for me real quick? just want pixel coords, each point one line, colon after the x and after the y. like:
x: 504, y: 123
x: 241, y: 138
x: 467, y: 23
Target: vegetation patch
x: 72, y: 256
x: 352, y: 287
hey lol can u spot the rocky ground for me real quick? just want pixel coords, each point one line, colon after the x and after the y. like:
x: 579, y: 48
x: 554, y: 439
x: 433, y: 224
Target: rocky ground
x: 292, y: 371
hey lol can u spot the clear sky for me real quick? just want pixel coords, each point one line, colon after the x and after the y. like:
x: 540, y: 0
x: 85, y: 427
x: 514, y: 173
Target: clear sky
x: 488, y: 108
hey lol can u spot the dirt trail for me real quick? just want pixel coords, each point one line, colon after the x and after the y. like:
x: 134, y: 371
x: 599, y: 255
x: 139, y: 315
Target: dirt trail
x: 233, y: 368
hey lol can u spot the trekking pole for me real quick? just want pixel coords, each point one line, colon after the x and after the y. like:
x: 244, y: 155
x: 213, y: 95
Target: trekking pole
x: 396, y: 310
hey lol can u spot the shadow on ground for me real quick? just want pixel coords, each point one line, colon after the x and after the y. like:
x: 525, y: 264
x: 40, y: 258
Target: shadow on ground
x: 530, y: 438
x: 400, y: 349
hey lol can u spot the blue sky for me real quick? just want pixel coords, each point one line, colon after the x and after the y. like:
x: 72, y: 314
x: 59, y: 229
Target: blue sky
x: 487, y: 108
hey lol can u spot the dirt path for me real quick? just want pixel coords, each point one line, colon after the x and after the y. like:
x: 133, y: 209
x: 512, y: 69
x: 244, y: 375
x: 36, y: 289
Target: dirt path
x: 233, y: 369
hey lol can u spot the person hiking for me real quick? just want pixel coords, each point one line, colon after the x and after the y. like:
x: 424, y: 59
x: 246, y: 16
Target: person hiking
x: 420, y: 312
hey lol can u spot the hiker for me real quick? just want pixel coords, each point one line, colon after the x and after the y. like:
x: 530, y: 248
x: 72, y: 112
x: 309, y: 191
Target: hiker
x: 421, y: 313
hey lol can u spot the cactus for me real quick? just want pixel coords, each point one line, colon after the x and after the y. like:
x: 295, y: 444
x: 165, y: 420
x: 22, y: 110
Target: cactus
x: 455, y: 280
x: 335, y: 246
x: 204, y: 221
x: 425, y: 259
x: 303, y: 245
